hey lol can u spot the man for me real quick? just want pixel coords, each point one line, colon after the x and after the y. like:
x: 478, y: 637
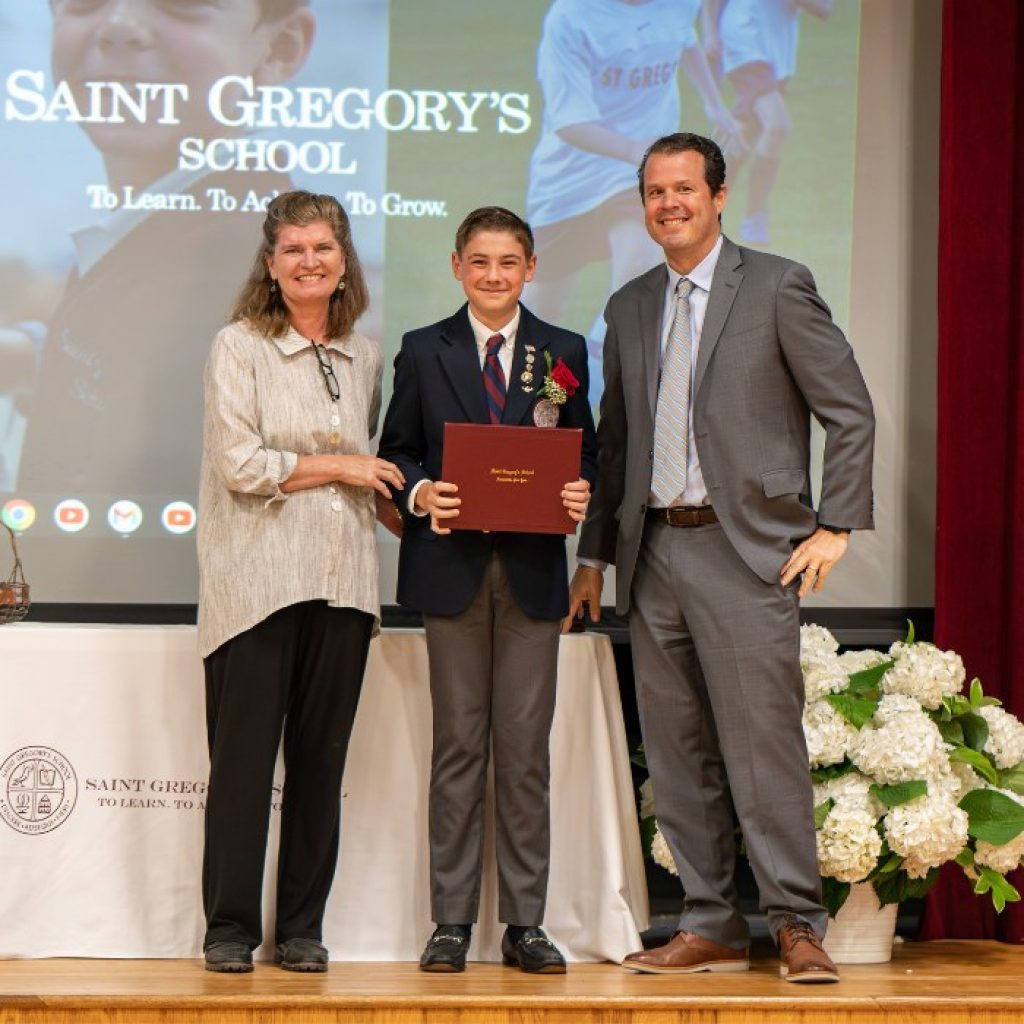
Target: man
x: 492, y: 602
x: 713, y: 365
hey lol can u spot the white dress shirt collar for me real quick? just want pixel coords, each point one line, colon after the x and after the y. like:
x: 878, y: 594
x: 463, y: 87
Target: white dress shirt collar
x: 483, y: 333
x: 702, y: 274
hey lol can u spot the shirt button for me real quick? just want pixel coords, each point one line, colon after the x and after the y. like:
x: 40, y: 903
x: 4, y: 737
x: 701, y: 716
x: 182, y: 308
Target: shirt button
x: 335, y: 420
x: 336, y: 505
x: 333, y: 490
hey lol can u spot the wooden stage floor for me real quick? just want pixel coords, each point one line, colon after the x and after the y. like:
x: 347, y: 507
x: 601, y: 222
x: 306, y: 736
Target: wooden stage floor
x: 926, y: 983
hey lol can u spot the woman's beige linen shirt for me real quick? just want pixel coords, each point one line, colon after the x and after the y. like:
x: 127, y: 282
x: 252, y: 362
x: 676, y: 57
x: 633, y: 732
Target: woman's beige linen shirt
x: 261, y: 549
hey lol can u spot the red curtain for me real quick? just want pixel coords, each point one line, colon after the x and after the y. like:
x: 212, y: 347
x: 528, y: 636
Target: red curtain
x: 979, y: 544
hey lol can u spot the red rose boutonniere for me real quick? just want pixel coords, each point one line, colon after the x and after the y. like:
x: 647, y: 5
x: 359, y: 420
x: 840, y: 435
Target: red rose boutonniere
x: 560, y: 383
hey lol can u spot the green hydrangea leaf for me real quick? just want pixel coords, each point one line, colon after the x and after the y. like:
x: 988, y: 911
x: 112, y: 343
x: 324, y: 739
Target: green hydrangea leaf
x: 952, y: 731
x: 1001, y: 891
x: 821, y: 812
x: 891, y: 863
x: 965, y: 858
x: 1012, y: 779
x: 957, y: 705
x: 992, y: 816
x: 834, y: 894
x: 832, y: 771
x: 978, y: 761
x: 858, y: 711
x: 918, y: 888
x: 648, y: 826
x: 977, y: 696
x: 910, y: 632
x: 900, y: 792
x: 975, y: 731
x: 898, y: 886
x: 865, y: 682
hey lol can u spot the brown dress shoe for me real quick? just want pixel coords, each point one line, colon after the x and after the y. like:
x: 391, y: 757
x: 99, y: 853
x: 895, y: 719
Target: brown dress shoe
x: 687, y: 953
x: 803, y: 959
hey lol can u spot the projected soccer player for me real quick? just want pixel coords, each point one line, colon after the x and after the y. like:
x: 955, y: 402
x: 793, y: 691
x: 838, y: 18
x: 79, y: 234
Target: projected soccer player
x: 116, y: 409
x: 608, y: 73
x: 756, y: 41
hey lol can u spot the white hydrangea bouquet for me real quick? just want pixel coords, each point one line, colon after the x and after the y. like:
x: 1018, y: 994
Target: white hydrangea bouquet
x: 908, y: 772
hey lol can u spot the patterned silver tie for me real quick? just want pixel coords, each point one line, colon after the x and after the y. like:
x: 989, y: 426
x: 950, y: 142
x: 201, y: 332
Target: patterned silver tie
x: 672, y: 419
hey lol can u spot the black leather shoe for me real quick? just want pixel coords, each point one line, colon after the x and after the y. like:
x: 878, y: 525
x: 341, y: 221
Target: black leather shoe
x: 228, y: 957
x: 305, y: 955
x: 446, y: 949
x: 534, y: 953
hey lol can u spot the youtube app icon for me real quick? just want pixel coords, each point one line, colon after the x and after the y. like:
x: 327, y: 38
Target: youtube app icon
x: 178, y: 517
x: 71, y: 515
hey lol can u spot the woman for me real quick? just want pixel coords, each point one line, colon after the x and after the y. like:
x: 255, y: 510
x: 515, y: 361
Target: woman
x: 288, y: 573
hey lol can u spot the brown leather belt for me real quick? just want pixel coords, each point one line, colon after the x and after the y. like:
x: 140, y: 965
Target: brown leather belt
x: 683, y: 515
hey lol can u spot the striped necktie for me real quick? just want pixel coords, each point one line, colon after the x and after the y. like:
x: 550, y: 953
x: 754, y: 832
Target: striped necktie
x: 494, y: 378
x: 672, y: 418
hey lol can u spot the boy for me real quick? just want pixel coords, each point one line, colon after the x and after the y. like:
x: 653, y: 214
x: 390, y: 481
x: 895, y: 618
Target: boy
x: 491, y: 602
x: 112, y: 418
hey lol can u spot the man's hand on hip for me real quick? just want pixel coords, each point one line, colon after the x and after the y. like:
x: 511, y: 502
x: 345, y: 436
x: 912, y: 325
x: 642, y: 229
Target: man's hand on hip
x: 814, y: 559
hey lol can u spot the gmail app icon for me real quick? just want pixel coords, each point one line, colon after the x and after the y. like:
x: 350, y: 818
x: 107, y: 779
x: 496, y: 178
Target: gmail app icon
x: 124, y: 516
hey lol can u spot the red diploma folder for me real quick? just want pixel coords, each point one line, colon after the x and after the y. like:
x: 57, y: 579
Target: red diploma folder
x: 511, y: 478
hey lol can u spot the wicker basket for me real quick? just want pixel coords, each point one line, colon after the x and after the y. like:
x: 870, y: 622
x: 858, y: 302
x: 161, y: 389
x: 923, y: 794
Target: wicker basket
x: 14, y: 600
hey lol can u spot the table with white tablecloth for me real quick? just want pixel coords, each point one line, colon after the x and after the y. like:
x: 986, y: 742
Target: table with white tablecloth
x: 103, y: 769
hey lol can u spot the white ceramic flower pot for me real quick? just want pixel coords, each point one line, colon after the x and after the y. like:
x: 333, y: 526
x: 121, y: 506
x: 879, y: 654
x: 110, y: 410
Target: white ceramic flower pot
x: 862, y: 931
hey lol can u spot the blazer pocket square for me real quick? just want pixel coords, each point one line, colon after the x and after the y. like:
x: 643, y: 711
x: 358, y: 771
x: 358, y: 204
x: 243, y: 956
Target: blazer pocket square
x: 777, y: 482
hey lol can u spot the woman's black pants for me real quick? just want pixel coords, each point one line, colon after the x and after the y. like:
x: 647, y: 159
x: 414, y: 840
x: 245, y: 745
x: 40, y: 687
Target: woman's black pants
x: 300, y: 668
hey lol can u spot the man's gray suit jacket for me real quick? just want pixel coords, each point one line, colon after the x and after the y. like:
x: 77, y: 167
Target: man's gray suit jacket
x: 769, y: 357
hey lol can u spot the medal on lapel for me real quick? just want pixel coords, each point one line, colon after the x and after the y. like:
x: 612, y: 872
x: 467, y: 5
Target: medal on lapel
x: 526, y: 377
x: 545, y: 413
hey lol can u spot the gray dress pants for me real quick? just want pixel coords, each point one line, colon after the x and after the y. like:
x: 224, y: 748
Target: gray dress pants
x: 716, y: 654
x: 492, y: 681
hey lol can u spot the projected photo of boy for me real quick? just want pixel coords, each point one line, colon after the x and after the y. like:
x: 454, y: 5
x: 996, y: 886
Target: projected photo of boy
x: 169, y: 93
x: 608, y: 73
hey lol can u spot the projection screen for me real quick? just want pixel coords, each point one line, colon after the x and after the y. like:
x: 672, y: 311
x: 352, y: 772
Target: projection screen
x: 142, y: 139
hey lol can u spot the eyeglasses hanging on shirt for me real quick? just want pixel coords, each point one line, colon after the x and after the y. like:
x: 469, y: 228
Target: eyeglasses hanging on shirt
x: 327, y: 371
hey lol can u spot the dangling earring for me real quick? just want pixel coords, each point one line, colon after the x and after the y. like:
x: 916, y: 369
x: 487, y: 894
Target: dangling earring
x: 341, y: 285
x: 273, y: 286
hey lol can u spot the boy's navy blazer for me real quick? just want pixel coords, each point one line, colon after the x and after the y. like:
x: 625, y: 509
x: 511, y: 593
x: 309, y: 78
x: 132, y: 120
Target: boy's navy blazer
x: 438, y: 380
